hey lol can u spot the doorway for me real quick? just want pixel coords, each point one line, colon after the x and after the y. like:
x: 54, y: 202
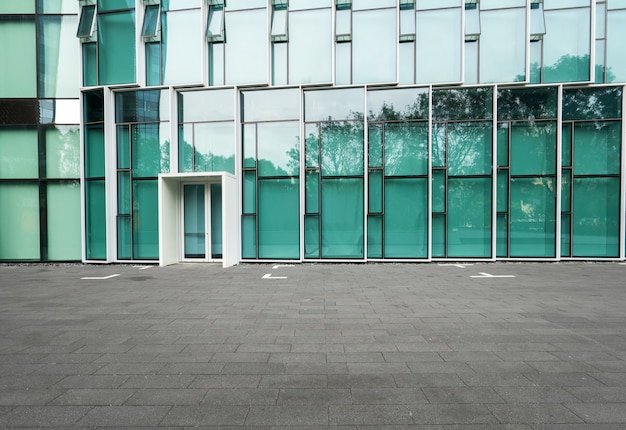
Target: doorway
x: 202, y: 221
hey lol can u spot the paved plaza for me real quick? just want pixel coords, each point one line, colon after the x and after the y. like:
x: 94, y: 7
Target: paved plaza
x: 533, y: 346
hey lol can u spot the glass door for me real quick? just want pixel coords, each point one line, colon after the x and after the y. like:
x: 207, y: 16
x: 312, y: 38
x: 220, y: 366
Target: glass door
x: 194, y: 222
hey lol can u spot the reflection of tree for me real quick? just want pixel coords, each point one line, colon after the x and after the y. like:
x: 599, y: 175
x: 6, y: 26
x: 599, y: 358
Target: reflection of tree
x: 342, y: 148
x: 567, y: 68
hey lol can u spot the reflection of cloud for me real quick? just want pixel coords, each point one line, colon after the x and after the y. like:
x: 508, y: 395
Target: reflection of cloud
x: 276, y: 142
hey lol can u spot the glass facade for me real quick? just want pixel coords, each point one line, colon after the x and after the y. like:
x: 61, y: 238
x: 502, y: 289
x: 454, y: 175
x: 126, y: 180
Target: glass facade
x: 354, y: 129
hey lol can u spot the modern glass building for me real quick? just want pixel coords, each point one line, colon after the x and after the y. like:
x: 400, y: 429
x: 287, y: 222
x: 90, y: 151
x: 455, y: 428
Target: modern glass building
x: 312, y: 130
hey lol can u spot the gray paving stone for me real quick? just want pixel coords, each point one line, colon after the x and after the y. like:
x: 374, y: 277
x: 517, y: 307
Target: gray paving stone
x: 158, y: 381
x: 226, y: 381
x: 310, y: 396
x: 462, y: 395
x: 428, y: 380
x: 361, y: 381
x: 166, y: 397
x: 535, y: 395
x: 26, y: 397
x: 43, y: 416
x: 369, y: 414
x: 387, y: 396
x: 191, y: 369
x: 293, y: 381
x: 124, y: 416
x: 599, y: 394
x: 292, y: 415
x: 533, y: 413
x: 91, y: 381
x: 599, y: 412
x: 92, y: 397
x: 195, y: 416
x: 452, y: 414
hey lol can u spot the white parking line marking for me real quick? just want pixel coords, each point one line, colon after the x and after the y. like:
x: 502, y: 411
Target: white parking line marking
x: 460, y: 266
x: 487, y: 275
x: 100, y: 278
x: 142, y: 267
x: 269, y: 276
x: 282, y: 265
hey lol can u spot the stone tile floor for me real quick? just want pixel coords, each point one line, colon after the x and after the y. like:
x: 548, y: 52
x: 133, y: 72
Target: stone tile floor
x: 341, y: 346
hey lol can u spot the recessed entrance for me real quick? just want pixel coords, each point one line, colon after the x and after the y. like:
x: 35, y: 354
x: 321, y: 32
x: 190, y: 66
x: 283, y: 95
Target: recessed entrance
x: 198, y: 218
x: 202, y: 221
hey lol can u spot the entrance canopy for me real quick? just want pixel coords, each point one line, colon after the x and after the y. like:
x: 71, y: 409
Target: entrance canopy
x: 170, y: 222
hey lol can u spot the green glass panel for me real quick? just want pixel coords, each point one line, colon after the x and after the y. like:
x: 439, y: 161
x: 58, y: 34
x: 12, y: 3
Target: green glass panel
x: 57, y: 6
x: 615, y: 59
x: 312, y: 145
x: 145, y: 220
x: 592, y: 103
x: 342, y: 218
x: 249, y: 192
x: 248, y: 236
x: 595, y: 231
x: 536, y: 53
x: 533, y: 148
x: 147, y: 152
x: 600, y: 56
x: 123, y: 193
x: 470, y: 148
x: 527, y: 103
x: 502, y: 202
x: 469, y: 217
x: 502, y: 235
x: 533, y: 217
x: 343, y: 63
x: 216, y: 64
x: 406, y: 218
x: 397, y: 104
x: 439, y: 190
x: 375, y: 236
x: 106, y: 5
x: 214, y: 147
x: 19, y: 229
x: 20, y: 79
x: 439, y: 62
x: 567, y: 45
x: 279, y: 218
x: 566, y: 145
x: 311, y: 237
x: 470, y: 75
x: 93, y: 106
x: 406, y: 149
x: 194, y: 221
x: 206, y: 105
x: 407, y: 58
x: 271, y: 105
x: 503, y: 45
x: 503, y: 144
x: 124, y: 234
x: 150, y: 21
x: 153, y: 63
x: 181, y: 35
x: 185, y: 148
x: 566, y: 190
x: 123, y: 147
x: 342, y: 148
x: 312, y: 192
x: 141, y: 106
x: 375, y: 146
x: 310, y: 46
x: 95, y: 220
x: 597, y: 148
x: 58, y: 58
x: 246, y: 47
x: 439, y: 236
x: 375, y: 200
x: 116, y: 48
x: 249, y: 145
x: 278, y: 148
x: 439, y: 145
x: 179, y: 4
x: 216, y: 220
x: 566, y: 237
x: 321, y: 105
x: 374, y: 42
x: 18, y: 153
x: 463, y: 104
x: 17, y: 7
x: 62, y: 152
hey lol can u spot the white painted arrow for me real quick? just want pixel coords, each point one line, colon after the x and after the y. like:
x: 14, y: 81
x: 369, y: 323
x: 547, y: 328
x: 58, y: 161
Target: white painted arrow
x: 269, y: 276
x: 282, y: 265
x: 487, y: 275
x: 460, y: 266
x: 100, y: 278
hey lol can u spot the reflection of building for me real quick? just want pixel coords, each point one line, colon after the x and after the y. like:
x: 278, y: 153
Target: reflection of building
x: 306, y: 130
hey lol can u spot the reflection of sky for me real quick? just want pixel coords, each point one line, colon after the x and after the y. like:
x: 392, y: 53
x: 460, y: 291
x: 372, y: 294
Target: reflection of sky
x: 215, y: 138
x: 275, y: 142
x: 337, y: 104
x: 400, y: 100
